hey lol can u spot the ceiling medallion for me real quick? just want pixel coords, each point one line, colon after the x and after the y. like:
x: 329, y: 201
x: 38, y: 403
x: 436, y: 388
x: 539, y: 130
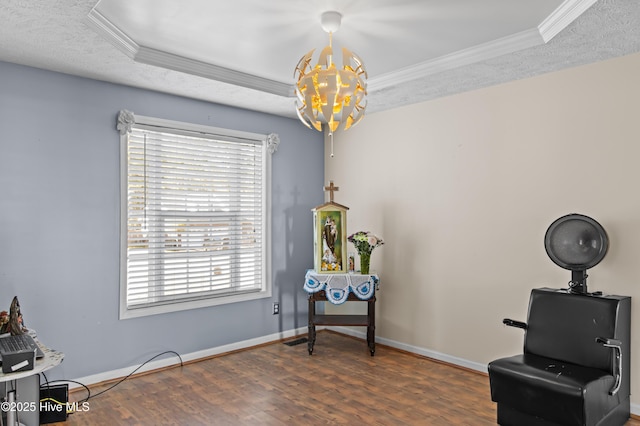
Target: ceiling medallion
x: 330, y: 95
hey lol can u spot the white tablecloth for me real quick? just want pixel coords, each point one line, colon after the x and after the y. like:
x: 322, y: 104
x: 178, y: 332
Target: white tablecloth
x: 338, y: 286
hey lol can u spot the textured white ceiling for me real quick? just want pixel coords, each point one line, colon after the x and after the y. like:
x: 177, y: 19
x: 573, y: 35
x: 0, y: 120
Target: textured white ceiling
x: 414, y: 50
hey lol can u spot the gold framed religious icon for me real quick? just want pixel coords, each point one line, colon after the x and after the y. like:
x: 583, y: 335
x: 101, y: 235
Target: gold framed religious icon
x: 330, y: 236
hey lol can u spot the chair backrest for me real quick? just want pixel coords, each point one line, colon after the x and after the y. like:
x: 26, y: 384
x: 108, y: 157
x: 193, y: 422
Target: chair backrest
x: 564, y: 326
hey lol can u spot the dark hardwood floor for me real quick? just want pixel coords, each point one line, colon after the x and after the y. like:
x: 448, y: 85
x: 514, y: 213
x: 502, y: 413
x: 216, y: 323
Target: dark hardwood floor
x: 277, y: 384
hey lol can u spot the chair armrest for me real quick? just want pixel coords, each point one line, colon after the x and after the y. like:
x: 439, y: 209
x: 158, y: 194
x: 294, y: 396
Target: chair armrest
x: 610, y: 343
x: 514, y: 323
x: 616, y: 345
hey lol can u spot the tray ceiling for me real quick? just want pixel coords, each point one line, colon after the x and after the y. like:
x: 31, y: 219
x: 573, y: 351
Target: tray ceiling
x: 243, y: 53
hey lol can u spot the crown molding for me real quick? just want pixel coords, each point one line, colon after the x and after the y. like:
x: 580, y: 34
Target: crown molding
x: 482, y: 52
x: 564, y: 15
x: 163, y: 59
x: 111, y: 33
x: 559, y: 19
x: 146, y: 55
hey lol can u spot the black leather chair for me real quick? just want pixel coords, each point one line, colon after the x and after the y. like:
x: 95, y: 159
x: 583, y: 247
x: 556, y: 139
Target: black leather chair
x: 575, y: 365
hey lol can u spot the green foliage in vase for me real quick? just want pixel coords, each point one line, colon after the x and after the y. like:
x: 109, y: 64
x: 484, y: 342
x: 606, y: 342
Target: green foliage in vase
x: 365, y: 242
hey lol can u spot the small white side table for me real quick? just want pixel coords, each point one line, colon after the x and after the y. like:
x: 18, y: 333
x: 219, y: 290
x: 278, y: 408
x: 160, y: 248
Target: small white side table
x: 26, y: 385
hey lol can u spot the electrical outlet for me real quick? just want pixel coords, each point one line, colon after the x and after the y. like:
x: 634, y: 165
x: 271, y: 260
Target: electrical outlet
x: 276, y: 308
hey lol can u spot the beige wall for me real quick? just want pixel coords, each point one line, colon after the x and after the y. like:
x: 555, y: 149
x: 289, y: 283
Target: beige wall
x: 463, y: 188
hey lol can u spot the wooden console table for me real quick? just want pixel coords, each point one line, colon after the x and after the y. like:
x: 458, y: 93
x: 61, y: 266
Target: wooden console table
x: 337, y: 289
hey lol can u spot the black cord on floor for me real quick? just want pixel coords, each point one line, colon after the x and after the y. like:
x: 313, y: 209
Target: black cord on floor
x: 47, y: 382
x: 139, y: 367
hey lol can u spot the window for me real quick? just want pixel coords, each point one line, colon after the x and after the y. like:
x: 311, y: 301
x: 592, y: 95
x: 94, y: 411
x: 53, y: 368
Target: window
x: 195, y: 215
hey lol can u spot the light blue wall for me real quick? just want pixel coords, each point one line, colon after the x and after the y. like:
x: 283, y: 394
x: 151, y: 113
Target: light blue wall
x: 59, y: 220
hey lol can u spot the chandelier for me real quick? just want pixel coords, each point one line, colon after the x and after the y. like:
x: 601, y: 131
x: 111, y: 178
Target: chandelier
x: 328, y: 94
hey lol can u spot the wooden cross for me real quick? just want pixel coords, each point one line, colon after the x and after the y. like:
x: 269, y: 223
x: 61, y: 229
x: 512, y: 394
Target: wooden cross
x: 331, y: 188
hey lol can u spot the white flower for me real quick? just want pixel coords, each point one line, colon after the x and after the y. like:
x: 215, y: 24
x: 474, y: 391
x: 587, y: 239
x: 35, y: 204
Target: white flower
x: 365, y: 242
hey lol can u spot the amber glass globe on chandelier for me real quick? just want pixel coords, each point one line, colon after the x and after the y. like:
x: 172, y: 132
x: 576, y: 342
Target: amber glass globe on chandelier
x: 327, y: 94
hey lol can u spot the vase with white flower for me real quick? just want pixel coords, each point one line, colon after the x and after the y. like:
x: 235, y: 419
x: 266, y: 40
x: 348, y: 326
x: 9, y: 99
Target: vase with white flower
x: 365, y: 242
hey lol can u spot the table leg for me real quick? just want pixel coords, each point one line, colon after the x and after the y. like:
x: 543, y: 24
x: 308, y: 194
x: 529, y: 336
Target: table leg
x: 371, y: 327
x: 25, y: 392
x: 311, y: 326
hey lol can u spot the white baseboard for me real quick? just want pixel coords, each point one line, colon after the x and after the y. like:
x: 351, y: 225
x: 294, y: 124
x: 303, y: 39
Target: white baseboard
x: 416, y: 350
x: 166, y: 362
x: 173, y: 360
x: 635, y: 408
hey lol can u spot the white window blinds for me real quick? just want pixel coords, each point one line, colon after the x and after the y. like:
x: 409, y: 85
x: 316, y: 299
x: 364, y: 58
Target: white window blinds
x: 195, y: 215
